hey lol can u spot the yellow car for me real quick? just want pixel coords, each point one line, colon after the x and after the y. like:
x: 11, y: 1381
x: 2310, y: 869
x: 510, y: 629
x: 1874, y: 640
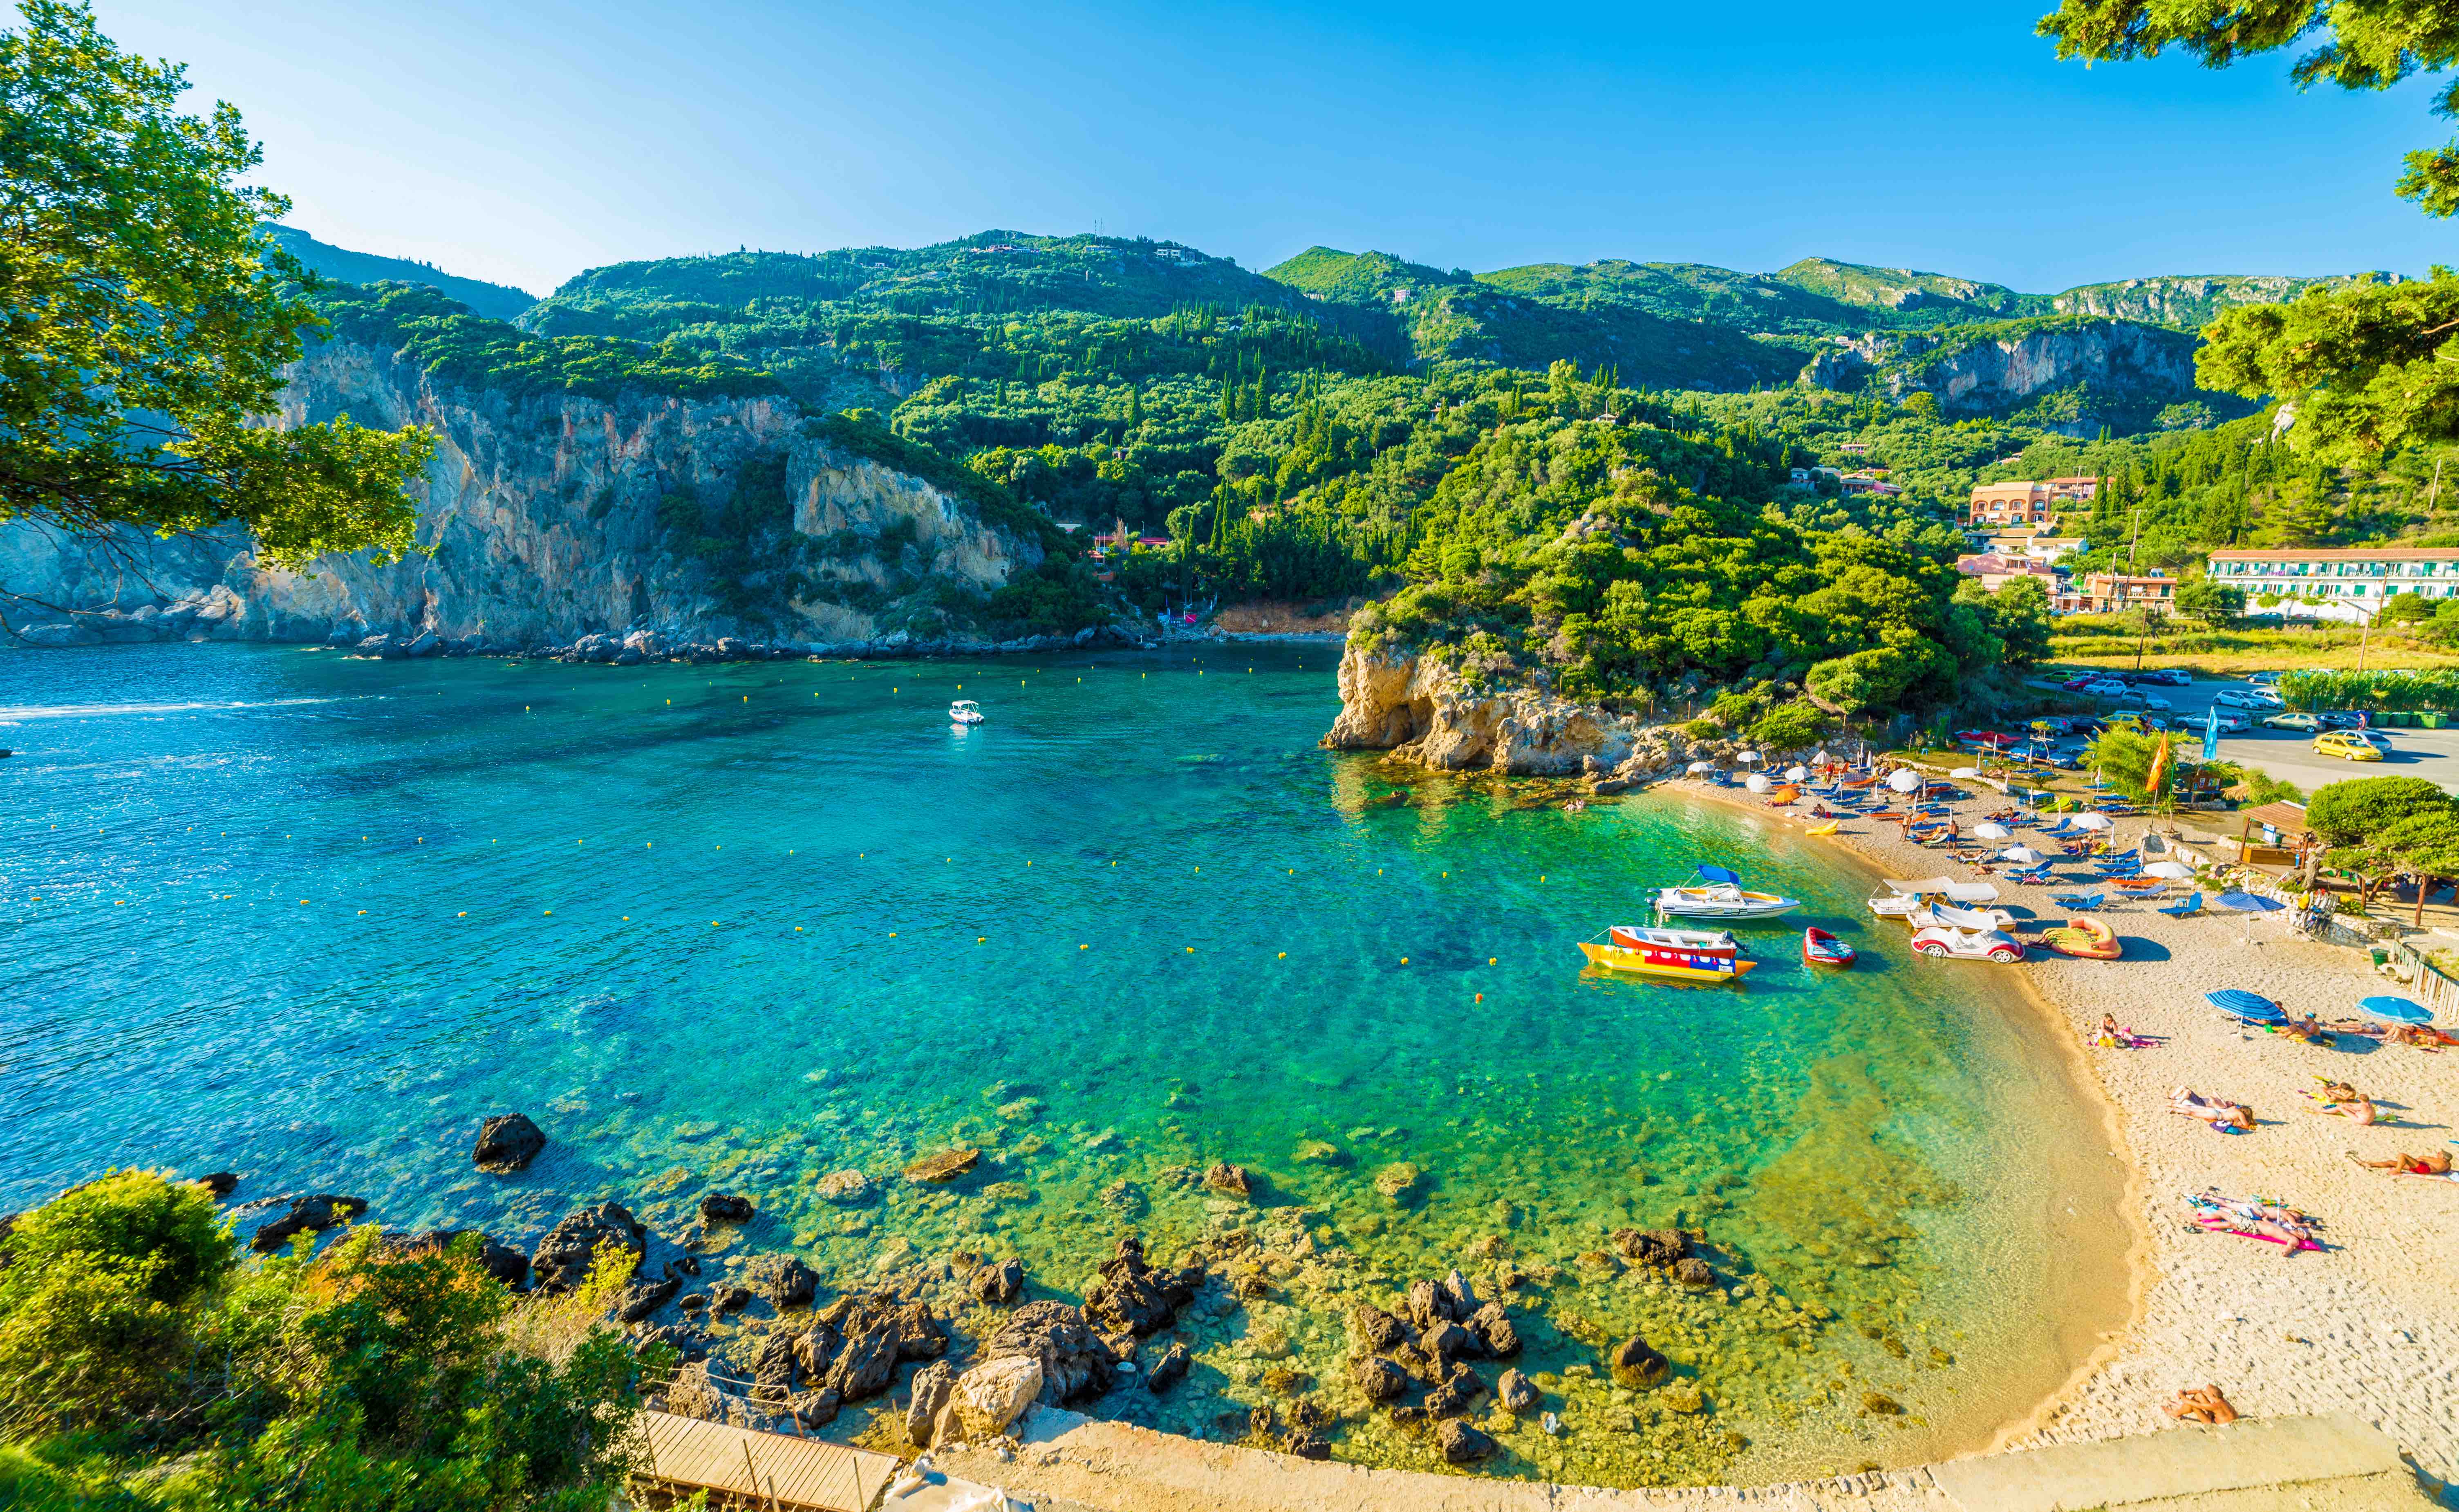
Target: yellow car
x: 2347, y: 745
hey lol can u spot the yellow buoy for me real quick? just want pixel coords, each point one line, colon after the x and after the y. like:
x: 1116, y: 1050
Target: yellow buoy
x: 798, y: 929
x: 464, y: 913
x: 1489, y: 961
x: 1083, y: 947
x: 1191, y: 949
x: 550, y: 913
x: 981, y: 938
x: 1481, y: 997
x: 1283, y: 955
x: 1404, y: 960
x: 362, y: 911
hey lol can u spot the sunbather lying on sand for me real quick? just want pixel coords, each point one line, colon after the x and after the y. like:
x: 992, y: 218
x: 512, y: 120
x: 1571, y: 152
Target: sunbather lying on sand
x: 2202, y: 1404
x: 2308, y: 1028
x: 2217, y: 1113
x: 2347, y: 1101
x: 2437, y: 1164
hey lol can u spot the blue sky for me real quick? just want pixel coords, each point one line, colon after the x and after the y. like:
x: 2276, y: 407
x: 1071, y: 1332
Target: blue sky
x: 523, y: 140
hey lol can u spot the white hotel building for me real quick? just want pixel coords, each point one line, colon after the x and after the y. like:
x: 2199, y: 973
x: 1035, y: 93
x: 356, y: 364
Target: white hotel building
x: 2358, y: 577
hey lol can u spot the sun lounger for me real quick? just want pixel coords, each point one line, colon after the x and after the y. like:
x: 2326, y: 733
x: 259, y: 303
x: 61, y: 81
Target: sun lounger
x: 2193, y: 905
x: 2080, y: 902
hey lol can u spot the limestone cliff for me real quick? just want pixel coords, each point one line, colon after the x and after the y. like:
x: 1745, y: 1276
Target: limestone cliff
x: 546, y: 517
x: 1422, y: 710
x: 2077, y: 372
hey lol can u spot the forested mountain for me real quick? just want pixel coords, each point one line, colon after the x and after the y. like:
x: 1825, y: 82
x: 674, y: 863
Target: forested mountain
x: 345, y: 266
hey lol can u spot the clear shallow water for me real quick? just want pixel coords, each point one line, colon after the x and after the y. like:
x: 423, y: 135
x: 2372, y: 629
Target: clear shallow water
x: 311, y: 917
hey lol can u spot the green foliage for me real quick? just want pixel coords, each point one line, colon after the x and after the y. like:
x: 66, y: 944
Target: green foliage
x: 2216, y: 604
x: 2124, y: 757
x: 2424, y: 842
x: 378, y: 1376
x: 2261, y: 787
x: 144, y: 322
x: 1794, y: 726
x: 2409, y: 609
x: 2344, y: 814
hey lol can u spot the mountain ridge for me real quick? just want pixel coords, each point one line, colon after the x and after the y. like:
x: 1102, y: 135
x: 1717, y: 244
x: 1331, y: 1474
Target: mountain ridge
x: 343, y: 266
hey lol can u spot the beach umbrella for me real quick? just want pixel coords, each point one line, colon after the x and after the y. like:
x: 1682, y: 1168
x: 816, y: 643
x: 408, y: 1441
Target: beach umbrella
x: 1821, y: 758
x: 1988, y: 830
x: 1756, y: 782
x: 2174, y: 871
x: 2023, y: 854
x: 2093, y: 821
x: 2250, y: 904
x: 2398, y: 1010
x: 1796, y: 773
x: 1702, y: 766
x: 1966, y: 771
x: 2245, y: 1007
x: 1748, y: 755
x: 1905, y: 780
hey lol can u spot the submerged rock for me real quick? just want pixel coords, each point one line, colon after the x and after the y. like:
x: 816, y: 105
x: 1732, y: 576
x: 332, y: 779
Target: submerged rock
x: 1398, y: 1181
x: 1653, y: 1246
x: 1494, y: 1329
x: 641, y: 1298
x: 784, y: 1280
x: 1635, y: 1365
x: 1379, y: 1378
x: 1376, y: 1330
x: 1306, y: 1444
x: 1230, y: 1181
x: 847, y: 1189
x: 507, y: 1143
x: 221, y: 1184
x: 943, y: 1165
x: 1168, y: 1370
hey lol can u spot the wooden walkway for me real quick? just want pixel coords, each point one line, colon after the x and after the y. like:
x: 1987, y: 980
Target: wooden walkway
x: 764, y: 1471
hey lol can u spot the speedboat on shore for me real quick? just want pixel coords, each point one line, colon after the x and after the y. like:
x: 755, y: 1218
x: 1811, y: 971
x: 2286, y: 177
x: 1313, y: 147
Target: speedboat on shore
x: 1902, y: 900
x: 1698, y: 955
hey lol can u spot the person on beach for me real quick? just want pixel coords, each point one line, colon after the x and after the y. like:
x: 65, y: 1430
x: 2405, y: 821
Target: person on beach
x: 2202, y: 1404
x: 2308, y: 1029
x: 2118, y: 1036
x: 2355, y: 1106
x: 2215, y: 1112
x: 2403, y: 1164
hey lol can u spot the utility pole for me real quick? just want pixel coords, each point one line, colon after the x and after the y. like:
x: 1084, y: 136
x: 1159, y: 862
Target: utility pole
x: 2125, y: 587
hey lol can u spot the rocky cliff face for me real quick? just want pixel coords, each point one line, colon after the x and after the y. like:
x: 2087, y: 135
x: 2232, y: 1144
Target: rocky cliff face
x: 2121, y: 372
x: 1421, y: 711
x: 546, y: 519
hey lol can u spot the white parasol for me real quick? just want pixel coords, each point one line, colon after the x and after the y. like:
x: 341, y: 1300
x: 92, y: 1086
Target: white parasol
x: 1748, y: 755
x: 2174, y: 871
x: 2025, y: 854
x: 1986, y: 831
x: 2093, y: 821
x: 1756, y: 782
x: 1905, y: 780
x: 1966, y: 771
x: 1822, y: 758
x: 1796, y: 773
x: 1703, y: 766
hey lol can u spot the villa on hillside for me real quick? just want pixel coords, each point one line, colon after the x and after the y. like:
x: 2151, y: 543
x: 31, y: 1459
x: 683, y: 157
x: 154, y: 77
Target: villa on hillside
x: 2109, y: 593
x: 2023, y: 541
x: 1996, y: 572
x: 2022, y: 503
x: 1853, y: 483
x: 2310, y: 571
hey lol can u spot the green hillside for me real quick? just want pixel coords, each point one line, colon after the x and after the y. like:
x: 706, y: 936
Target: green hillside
x: 1903, y: 291
x: 1358, y: 277
x: 494, y: 301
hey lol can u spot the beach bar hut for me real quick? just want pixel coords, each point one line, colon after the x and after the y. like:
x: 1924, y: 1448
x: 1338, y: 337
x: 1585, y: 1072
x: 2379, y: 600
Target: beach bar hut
x: 2283, y: 834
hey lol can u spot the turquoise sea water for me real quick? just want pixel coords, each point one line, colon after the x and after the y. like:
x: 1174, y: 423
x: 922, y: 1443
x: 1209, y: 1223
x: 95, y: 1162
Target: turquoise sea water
x: 311, y: 917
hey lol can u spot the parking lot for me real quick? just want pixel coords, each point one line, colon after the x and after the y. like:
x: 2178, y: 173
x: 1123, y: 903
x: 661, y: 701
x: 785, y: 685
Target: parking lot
x: 2288, y: 755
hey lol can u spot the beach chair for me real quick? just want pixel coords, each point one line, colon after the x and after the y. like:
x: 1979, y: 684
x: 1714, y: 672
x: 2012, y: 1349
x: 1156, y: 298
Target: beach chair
x: 2080, y: 902
x: 2193, y: 905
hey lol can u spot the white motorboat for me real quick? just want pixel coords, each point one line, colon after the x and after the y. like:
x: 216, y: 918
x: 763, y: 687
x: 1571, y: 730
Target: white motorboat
x: 1901, y: 899
x: 965, y: 711
x: 1721, y: 900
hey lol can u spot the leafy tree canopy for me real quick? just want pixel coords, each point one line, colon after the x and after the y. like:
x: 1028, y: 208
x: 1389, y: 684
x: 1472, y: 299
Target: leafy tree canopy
x: 2345, y: 814
x: 145, y: 320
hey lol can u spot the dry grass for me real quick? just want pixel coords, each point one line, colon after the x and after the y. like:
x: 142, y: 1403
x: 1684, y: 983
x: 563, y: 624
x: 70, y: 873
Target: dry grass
x: 2225, y: 652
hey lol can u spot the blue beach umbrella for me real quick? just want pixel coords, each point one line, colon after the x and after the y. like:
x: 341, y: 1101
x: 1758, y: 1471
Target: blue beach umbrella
x: 2250, y: 904
x: 2246, y: 1007
x: 2398, y: 1010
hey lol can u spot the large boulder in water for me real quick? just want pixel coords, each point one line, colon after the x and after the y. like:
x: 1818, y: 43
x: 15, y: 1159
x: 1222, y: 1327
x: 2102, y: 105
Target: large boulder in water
x: 571, y: 1248
x: 1075, y: 1363
x: 1129, y: 1296
x: 507, y: 1143
x: 307, y: 1215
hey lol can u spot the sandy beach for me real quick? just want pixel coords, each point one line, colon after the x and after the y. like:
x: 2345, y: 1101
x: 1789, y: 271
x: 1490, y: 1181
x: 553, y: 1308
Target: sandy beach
x: 2369, y: 1325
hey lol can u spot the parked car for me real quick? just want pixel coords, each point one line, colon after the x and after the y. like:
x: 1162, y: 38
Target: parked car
x: 1991, y: 738
x: 2137, y: 719
x: 2334, y: 718
x: 2263, y: 679
x: 2246, y: 699
x: 2055, y: 725
x: 2076, y: 685
x: 2170, y: 677
x: 2346, y: 745
x: 2107, y: 687
x: 2374, y: 737
x: 2291, y: 720
x: 2154, y: 701
x: 2232, y: 721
